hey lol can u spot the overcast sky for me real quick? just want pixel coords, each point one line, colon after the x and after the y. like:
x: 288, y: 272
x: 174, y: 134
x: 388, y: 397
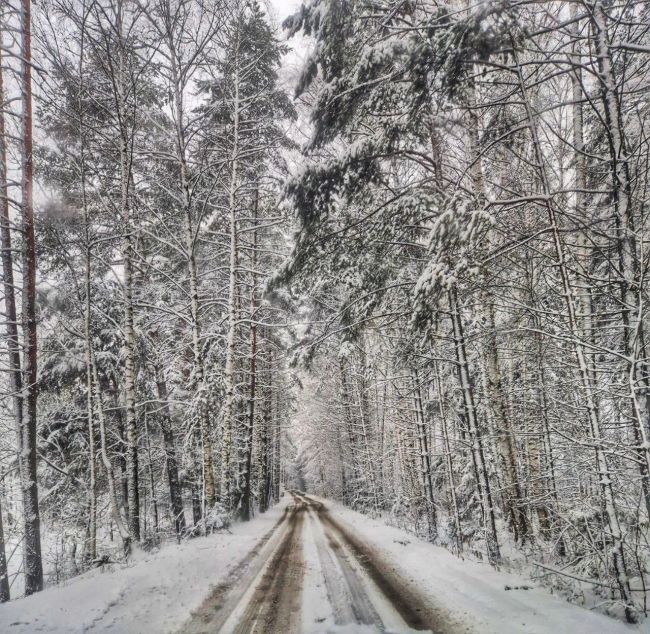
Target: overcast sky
x: 284, y: 8
x: 294, y: 60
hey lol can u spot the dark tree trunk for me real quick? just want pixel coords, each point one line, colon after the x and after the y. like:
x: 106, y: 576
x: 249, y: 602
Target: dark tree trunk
x: 250, y: 427
x: 196, y: 504
x: 246, y: 495
x: 32, y: 540
x: 175, y: 494
x: 119, y: 418
x: 4, y: 577
x: 10, y: 316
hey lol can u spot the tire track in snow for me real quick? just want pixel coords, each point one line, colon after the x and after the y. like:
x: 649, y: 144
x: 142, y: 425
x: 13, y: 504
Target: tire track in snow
x: 210, y: 617
x: 364, y: 591
x: 275, y: 602
x: 347, y: 596
x: 395, y: 592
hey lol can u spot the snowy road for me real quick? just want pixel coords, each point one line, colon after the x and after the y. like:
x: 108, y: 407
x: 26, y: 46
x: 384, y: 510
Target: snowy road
x: 306, y: 565
x: 311, y: 574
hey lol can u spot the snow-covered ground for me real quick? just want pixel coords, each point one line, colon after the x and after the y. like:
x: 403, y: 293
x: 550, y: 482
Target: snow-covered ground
x: 159, y: 591
x: 154, y: 594
x: 476, y: 593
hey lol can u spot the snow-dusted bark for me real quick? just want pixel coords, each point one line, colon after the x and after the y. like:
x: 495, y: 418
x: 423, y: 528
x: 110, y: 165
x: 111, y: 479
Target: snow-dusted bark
x: 4, y: 572
x: 132, y: 435
x: 497, y: 410
x: 179, y: 73
x: 424, y: 455
x: 118, y: 514
x: 475, y: 432
x: 455, y: 510
x: 249, y: 428
x: 120, y: 87
x: 92, y: 463
x: 10, y: 317
x: 91, y: 546
x: 228, y: 410
x: 262, y: 441
x: 171, y: 462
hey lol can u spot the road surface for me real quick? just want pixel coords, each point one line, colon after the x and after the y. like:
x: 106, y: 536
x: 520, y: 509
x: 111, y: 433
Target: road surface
x: 311, y: 574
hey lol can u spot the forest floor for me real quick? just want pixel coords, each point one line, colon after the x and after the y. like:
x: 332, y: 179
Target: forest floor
x: 306, y: 566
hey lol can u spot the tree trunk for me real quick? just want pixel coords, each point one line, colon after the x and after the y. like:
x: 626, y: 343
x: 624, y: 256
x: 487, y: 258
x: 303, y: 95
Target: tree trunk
x: 424, y: 459
x: 121, y: 459
x: 175, y: 493
x: 366, y: 463
x: 227, y: 483
x: 250, y: 430
x: 92, y: 485
x: 11, y: 319
x: 498, y: 410
x: 263, y: 454
x: 349, y: 427
x: 277, y: 447
x: 4, y: 573
x: 475, y: 432
x: 91, y: 550
x: 33, y: 565
x: 12, y: 341
x: 130, y: 396
x: 192, y: 270
x: 152, y: 481
x: 503, y: 429
x: 448, y: 461
x: 118, y: 516
x: 128, y: 327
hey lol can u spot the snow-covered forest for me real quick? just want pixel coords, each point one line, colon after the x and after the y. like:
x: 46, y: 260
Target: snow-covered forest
x: 388, y: 252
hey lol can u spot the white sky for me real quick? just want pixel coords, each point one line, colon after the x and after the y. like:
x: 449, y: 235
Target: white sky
x: 293, y: 62
x: 284, y: 8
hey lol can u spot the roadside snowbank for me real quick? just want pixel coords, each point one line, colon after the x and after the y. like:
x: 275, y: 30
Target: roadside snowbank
x: 155, y: 593
x: 474, y: 592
